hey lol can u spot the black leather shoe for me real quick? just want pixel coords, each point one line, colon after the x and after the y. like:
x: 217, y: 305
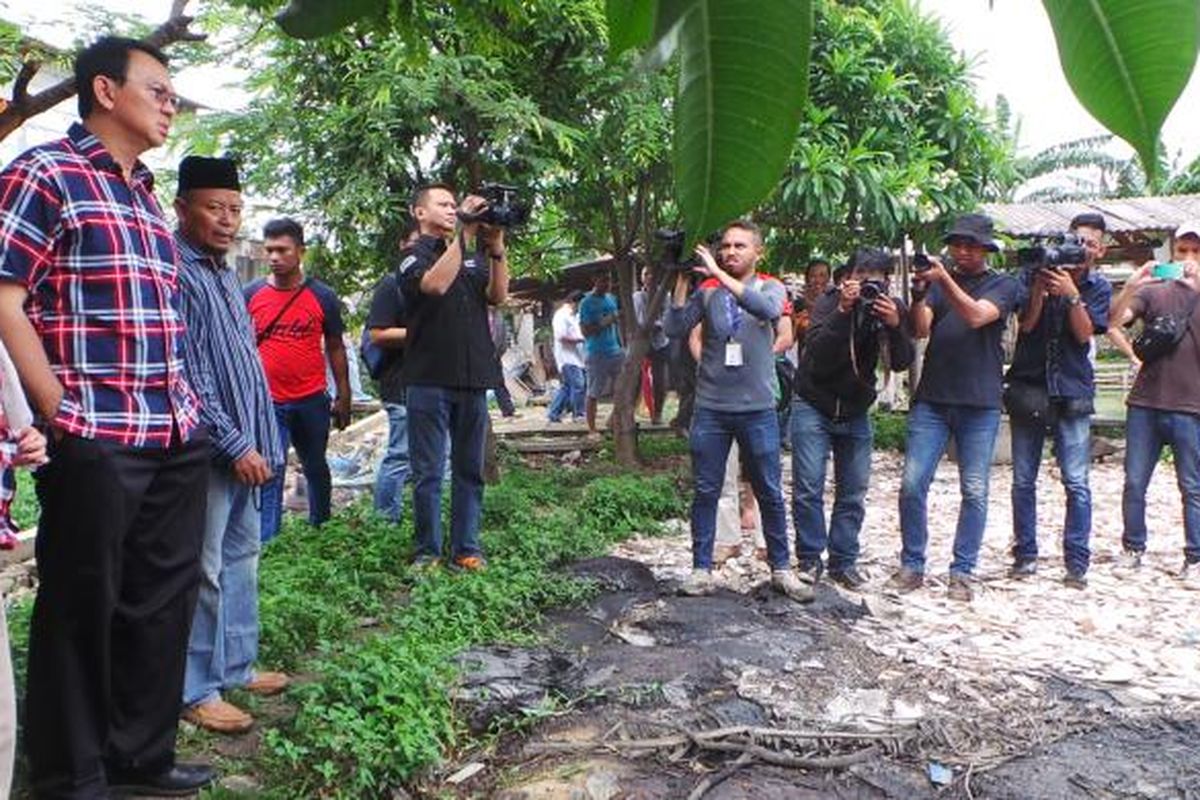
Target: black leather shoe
x: 181, y: 780
x: 1022, y: 569
x: 848, y: 578
x: 1075, y: 579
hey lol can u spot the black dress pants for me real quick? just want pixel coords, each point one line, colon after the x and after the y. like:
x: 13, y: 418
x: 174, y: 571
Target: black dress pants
x: 118, y: 555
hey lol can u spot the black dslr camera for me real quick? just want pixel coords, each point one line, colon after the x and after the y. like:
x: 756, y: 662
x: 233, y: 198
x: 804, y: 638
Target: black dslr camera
x: 1052, y: 250
x: 671, y: 242
x: 503, y: 210
x: 870, y: 291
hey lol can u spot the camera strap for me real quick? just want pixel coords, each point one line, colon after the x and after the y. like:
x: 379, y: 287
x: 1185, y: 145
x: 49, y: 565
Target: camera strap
x: 267, y: 331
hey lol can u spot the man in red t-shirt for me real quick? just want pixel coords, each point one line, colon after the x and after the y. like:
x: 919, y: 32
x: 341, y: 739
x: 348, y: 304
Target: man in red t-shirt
x: 298, y: 324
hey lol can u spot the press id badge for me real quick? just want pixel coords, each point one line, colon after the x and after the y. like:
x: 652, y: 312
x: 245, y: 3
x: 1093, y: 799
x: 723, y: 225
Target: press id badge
x: 733, y: 354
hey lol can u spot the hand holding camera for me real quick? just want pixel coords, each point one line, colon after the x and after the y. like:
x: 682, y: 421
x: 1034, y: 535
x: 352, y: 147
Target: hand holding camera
x: 927, y: 271
x: 708, y: 264
x: 1057, y: 282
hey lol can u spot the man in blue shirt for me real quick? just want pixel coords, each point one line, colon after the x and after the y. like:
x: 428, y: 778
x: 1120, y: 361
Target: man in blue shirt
x: 962, y: 311
x: 598, y: 320
x: 221, y: 360
x: 1066, y: 307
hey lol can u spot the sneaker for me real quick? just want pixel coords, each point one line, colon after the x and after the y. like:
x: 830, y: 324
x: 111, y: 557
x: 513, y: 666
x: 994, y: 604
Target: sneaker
x: 848, y: 578
x: 698, y: 582
x: 959, y: 588
x: 1189, y: 576
x: 810, y: 571
x: 1075, y: 579
x: 1128, y: 561
x: 468, y: 564
x: 1022, y: 569
x: 904, y: 580
x: 425, y: 563
x: 787, y: 584
x: 219, y: 716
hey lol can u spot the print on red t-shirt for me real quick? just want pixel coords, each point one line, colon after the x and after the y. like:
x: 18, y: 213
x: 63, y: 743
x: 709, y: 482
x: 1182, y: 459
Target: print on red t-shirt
x: 293, y: 353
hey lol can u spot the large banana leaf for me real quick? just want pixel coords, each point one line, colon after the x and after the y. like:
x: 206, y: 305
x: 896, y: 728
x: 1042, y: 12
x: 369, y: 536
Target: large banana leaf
x: 743, y: 80
x: 630, y: 24
x: 1128, y: 61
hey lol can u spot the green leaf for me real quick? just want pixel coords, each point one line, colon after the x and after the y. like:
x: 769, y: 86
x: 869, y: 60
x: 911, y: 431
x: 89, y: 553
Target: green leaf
x: 1128, y: 61
x: 743, y: 80
x: 630, y: 24
x: 312, y: 19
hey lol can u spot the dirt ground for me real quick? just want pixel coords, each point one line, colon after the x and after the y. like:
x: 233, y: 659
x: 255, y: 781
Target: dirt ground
x: 1033, y: 690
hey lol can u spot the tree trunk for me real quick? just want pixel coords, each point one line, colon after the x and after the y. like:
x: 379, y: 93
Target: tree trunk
x: 629, y: 380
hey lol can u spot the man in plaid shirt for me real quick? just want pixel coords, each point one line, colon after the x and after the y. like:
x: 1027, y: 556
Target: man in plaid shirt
x: 89, y: 312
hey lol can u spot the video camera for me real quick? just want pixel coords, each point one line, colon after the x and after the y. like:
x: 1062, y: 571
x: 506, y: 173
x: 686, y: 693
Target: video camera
x: 672, y: 242
x: 1052, y: 250
x: 502, y: 209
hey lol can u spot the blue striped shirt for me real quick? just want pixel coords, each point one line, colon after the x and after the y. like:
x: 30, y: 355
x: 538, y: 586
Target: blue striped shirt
x: 221, y: 359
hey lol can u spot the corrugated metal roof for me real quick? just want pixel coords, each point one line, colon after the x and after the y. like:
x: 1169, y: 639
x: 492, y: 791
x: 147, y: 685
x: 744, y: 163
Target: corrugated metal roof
x: 1123, y: 215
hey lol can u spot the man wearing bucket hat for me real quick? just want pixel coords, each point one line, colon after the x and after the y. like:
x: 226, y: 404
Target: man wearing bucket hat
x: 962, y: 310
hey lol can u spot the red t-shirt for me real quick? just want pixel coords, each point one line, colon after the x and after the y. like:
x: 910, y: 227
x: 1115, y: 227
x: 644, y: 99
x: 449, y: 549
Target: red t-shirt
x: 293, y: 352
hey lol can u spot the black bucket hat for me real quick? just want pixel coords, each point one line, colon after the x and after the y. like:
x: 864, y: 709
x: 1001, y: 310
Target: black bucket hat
x: 975, y: 227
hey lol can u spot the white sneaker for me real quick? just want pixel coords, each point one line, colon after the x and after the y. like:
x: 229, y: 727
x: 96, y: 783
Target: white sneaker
x: 1128, y: 562
x: 786, y: 583
x: 698, y: 582
x: 1189, y: 576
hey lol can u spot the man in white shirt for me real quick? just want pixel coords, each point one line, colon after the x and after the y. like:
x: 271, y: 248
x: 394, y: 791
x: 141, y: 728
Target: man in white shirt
x: 568, y: 354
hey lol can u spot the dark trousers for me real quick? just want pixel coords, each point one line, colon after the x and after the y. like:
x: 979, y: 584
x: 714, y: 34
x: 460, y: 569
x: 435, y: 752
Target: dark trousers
x: 683, y: 373
x: 118, y: 554
x: 659, y: 380
x: 304, y: 424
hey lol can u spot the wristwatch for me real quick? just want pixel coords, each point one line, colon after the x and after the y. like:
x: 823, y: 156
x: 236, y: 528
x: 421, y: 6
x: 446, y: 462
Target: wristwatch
x: 1073, y: 300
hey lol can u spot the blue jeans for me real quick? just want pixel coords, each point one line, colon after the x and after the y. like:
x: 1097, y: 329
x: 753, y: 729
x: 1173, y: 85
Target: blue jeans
x: 1147, y: 431
x: 930, y: 426
x: 392, y: 477
x: 437, y: 415
x: 305, y: 424
x: 757, y: 435
x: 814, y: 436
x: 1073, y: 450
x: 223, y: 645
x: 570, y: 394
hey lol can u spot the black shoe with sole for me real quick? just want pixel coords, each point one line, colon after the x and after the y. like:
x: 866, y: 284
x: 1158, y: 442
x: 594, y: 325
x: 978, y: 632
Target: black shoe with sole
x: 1023, y: 569
x: 848, y: 578
x: 1075, y: 579
x: 181, y: 780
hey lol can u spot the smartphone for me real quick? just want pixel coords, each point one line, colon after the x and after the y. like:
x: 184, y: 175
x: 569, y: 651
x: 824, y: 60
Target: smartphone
x: 1169, y: 271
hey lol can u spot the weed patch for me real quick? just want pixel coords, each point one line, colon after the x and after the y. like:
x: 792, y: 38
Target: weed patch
x: 379, y: 712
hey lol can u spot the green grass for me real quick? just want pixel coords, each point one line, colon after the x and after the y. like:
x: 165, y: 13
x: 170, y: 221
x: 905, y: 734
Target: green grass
x: 25, y: 507
x: 378, y: 713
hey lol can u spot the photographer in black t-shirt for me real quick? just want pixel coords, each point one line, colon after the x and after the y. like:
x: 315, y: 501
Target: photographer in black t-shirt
x: 963, y: 312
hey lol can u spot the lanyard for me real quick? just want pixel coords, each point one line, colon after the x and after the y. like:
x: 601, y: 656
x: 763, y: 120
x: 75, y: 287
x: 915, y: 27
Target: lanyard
x: 734, y: 310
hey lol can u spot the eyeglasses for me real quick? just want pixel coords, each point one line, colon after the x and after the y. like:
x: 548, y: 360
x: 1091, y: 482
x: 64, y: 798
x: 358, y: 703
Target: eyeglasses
x: 162, y: 95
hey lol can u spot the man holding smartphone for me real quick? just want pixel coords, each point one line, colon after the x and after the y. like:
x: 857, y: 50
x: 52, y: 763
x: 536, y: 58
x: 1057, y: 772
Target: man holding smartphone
x: 1164, y: 403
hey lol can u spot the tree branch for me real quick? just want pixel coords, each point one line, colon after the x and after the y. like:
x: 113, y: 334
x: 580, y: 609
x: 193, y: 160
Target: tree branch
x: 21, y: 84
x: 24, y: 105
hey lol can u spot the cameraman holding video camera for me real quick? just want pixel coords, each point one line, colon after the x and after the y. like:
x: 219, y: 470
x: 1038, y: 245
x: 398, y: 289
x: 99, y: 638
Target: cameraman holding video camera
x: 1051, y: 387
x: 963, y: 312
x: 1164, y: 403
x: 835, y: 387
x: 453, y: 272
